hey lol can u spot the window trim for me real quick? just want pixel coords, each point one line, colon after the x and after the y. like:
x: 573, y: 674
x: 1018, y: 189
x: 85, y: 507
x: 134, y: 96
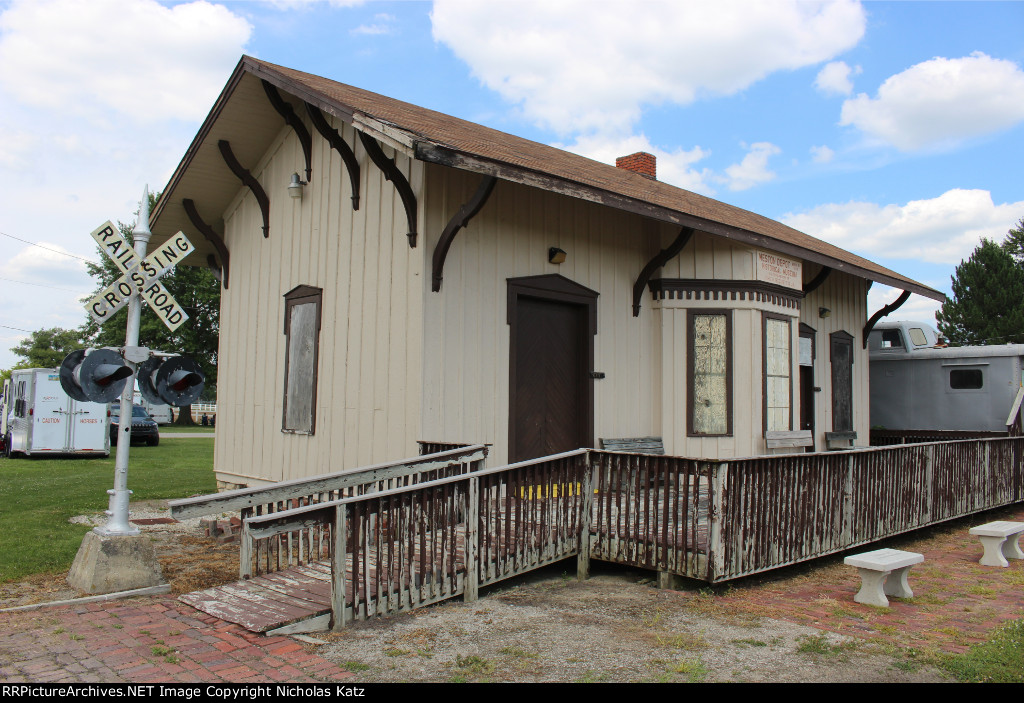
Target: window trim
x: 301, y: 295
x: 765, y: 317
x: 691, y: 315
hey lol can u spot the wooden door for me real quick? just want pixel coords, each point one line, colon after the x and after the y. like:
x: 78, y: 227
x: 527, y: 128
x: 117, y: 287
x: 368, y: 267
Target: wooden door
x: 549, y: 413
x: 841, y: 344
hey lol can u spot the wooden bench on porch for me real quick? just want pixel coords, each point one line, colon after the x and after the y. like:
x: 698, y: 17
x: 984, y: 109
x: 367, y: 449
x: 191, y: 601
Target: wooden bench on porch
x: 787, y: 439
x: 634, y: 445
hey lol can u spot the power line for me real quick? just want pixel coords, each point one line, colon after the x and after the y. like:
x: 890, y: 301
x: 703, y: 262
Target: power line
x: 16, y: 329
x: 55, y: 251
x: 40, y: 285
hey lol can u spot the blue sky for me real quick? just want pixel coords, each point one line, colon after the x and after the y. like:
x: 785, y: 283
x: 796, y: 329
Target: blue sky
x: 894, y: 130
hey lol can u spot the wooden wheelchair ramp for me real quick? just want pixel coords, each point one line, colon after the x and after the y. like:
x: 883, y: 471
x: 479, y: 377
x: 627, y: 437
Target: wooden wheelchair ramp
x: 294, y: 600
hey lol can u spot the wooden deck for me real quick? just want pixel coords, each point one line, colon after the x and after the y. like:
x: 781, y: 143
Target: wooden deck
x: 294, y: 600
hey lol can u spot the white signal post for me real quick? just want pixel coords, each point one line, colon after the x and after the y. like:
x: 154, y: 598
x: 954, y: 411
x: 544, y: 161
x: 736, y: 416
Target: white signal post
x: 117, y: 514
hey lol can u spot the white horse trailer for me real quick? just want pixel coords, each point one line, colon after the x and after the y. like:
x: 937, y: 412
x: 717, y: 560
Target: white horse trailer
x: 161, y: 413
x: 42, y: 419
x: 917, y: 385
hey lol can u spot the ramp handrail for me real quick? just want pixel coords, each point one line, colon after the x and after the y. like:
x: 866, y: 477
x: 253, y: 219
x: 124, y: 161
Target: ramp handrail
x: 411, y: 546
x: 305, y: 546
x: 239, y: 499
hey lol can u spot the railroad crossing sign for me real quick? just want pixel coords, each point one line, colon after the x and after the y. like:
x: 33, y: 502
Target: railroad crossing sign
x: 139, y: 275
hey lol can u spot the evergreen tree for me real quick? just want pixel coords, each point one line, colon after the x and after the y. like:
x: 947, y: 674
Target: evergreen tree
x: 1014, y: 243
x: 987, y: 306
x: 197, y: 292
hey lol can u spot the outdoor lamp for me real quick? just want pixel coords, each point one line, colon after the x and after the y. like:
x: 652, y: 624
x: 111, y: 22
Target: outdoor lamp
x: 296, y: 186
x: 556, y: 255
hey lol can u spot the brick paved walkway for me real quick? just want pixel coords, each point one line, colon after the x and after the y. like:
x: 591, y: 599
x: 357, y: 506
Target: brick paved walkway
x: 957, y: 602
x: 147, y: 640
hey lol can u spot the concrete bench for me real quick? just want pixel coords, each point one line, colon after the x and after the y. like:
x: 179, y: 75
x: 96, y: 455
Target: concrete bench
x: 1001, y: 541
x: 883, y: 572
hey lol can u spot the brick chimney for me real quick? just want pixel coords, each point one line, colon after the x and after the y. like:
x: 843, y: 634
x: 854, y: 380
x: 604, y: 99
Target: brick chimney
x: 641, y: 162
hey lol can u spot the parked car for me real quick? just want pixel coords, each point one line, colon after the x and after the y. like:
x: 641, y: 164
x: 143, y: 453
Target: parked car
x: 144, y: 428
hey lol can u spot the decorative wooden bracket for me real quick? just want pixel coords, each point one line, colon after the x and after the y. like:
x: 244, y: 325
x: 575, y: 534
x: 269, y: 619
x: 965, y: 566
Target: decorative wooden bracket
x: 211, y: 236
x: 286, y: 111
x: 662, y: 258
x: 249, y: 181
x: 815, y: 282
x: 333, y: 137
x: 391, y: 173
x: 459, y: 220
x: 891, y: 307
x: 211, y: 263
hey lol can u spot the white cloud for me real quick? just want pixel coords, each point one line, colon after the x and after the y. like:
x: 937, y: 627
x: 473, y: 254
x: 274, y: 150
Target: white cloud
x: 128, y: 56
x: 591, y: 65
x: 822, y: 154
x: 382, y: 24
x: 941, y: 102
x: 753, y: 170
x: 942, y: 230
x: 834, y: 78
x: 49, y: 265
x: 675, y: 167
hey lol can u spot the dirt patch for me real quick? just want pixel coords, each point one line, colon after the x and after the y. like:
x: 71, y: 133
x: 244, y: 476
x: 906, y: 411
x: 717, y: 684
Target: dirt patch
x: 614, y: 627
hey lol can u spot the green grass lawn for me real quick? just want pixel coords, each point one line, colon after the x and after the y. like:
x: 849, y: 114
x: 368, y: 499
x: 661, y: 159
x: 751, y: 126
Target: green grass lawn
x: 198, y: 429
x: 39, y: 496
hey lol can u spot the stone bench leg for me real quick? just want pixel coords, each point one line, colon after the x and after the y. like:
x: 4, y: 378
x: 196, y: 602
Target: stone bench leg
x: 896, y: 584
x: 999, y: 549
x: 875, y: 585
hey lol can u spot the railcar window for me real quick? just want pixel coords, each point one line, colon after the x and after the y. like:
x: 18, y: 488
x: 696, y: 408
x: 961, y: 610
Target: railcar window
x: 961, y: 379
x: 917, y: 336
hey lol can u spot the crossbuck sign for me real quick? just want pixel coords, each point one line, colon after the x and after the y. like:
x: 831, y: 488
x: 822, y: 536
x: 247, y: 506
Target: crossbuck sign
x: 141, y: 276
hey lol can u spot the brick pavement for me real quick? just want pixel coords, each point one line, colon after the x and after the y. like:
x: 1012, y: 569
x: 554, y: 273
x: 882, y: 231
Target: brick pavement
x: 957, y: 602
x: 148, y: 640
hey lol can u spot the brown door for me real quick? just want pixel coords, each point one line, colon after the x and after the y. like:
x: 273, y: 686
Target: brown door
x: 551, y: 410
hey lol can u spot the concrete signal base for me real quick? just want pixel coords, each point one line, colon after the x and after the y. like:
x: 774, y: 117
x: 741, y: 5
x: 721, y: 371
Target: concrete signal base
x: 112, y: 563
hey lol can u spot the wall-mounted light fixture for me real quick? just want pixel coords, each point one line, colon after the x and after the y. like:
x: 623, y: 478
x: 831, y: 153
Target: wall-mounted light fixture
x: 824, y: 312
x: 296, y: 187
x: 555, y: 255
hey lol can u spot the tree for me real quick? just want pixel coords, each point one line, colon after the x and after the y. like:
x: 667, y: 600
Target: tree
x: 197, y: 291
x: 987, y: 306
x: 1014, y: 243
x: 45, y: 349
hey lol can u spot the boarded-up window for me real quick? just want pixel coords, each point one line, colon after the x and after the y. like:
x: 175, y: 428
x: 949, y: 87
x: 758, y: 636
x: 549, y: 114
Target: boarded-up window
x: 778, y: 393
x: 710, y: 373
x: 841, y: 344
x: 302, y: 332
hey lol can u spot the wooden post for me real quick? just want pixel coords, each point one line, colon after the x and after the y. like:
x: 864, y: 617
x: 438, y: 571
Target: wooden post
x: 471, y: 585
x: 847, y: 536
x: 586, y: 508
x: 929, y: 482
x: 339, y: 558
x: 245, y: 549
x: 718, y: 475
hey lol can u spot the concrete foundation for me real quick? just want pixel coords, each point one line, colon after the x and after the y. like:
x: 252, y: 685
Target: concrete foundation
x: 112, y: 563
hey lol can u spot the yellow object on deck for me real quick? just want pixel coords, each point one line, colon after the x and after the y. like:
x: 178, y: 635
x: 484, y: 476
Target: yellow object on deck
x: 527, y: 492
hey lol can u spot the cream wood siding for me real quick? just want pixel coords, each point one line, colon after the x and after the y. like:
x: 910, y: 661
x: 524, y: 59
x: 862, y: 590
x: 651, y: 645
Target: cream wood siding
x: 371, y: 334
x: 466, y: 347
x: 466, y: 344
x: 846, y: 298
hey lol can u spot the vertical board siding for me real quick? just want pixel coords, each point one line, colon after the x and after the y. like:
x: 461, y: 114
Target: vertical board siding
x: 370, y: 336
x: 466, y: 355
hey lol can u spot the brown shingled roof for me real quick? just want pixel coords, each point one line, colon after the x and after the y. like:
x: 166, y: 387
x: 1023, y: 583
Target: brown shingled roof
x: 441, y: 138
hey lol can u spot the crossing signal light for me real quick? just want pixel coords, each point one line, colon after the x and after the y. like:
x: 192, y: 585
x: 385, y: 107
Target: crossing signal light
x: 97, y: 376
x: 175, y: 380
